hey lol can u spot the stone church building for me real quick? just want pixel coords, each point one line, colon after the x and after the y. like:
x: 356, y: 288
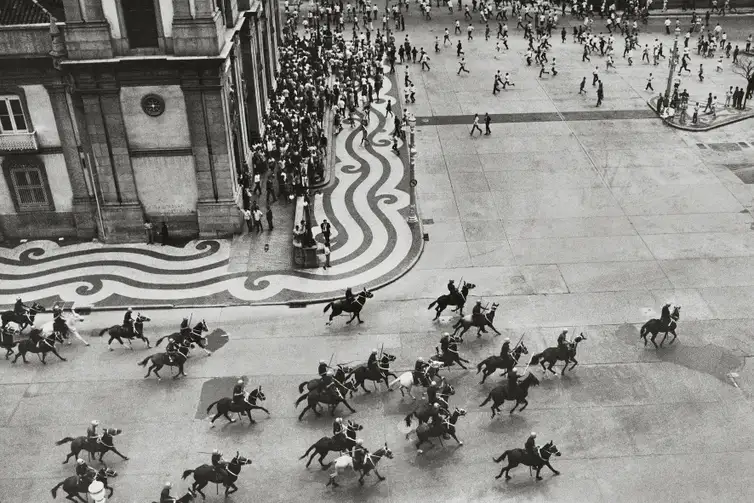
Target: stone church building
x: 113, y: 112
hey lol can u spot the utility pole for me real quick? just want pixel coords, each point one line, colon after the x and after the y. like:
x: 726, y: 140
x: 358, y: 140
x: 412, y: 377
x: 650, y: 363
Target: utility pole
x: 412, y: 216
x: 672, y: 64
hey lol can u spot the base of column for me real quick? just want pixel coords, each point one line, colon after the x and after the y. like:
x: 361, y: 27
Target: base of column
x: 85, y: 218
x: 218, y: 219
x: 123, y: 223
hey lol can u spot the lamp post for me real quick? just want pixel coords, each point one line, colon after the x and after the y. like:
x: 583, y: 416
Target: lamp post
x: 412, y: 217
x: 673, y: 62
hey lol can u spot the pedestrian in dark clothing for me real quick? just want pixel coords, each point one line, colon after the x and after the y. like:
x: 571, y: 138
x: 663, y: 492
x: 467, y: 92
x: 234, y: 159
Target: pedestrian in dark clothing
x: 487, y: 121
x: 268, y: 214
x: 270, y: 189
x: 148, y: 230
x: 325, y: 228
x: 164, y: 234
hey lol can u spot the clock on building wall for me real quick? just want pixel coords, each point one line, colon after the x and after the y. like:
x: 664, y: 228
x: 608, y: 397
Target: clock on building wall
x: 153, y: 105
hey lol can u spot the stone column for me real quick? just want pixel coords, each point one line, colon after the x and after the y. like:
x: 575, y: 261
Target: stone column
x: 204, y: 8
x: 92, y: 10
x: 83, y: 209
x: 181, y: 9
x: 253, y: 109
x: 72, y: 11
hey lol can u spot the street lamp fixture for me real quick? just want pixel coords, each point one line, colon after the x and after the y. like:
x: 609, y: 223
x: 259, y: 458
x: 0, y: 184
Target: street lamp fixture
x: 412, y: 216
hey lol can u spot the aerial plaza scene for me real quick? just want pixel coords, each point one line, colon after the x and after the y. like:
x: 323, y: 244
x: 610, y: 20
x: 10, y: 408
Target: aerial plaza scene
x: 390, y: 251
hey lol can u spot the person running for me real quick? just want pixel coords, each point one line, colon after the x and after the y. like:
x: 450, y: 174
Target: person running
x: 462, y: 66
x: 475, y: 125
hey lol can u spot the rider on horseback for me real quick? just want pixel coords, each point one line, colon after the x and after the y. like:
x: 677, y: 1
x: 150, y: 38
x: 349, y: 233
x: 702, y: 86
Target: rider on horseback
x: 665, y: 318
x: 171, y: 350
x: 20, y: 309
x: 128, y: 322
x: 373, y: 363
x: 219, y: 463
x: 328, y: 381
x: 185, y: 328
x: 513, y: 377
x: 85, y: 473
x: 420, y: 371
x: 358, y: 454
x: 563, y: 342
x: 322, y: 368
x: 239, y: 393
x: 447, y: 346
x: 339, y: 431
x: 434, y: 398
x: 91, y: 433
x: 58, y: 320
x: 349, y: 296
x: 532, y: 449
x: 505, y: 351
x: 477, y: 314
x: 165, y: 496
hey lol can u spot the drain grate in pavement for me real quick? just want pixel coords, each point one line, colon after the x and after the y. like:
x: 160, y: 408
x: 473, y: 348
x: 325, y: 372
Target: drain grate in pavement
x: 724, y: 147
x: 428, y: 221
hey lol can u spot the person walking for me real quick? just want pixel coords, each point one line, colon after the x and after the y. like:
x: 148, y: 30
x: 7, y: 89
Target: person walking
x: 325, y: 228
x: 600, y: 94
x: 268, y: 215
x: 649, y: 87
x: 487, y: 120
x: 582, y: 85
x: 270, y: 188
x: 475, y: 125
x: 164, y: 234
x: 257, y: 184
x: 247, y: 219
x: 326, y: 253
x: 257, y: 216
x: 148, y: 230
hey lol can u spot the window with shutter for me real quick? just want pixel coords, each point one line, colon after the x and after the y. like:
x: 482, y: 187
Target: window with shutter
x: 12, y: 118
x: 140, y: 19
x: 29, y: 186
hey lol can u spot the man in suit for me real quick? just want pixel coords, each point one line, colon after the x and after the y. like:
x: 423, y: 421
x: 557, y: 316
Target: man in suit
x: 325, y: 228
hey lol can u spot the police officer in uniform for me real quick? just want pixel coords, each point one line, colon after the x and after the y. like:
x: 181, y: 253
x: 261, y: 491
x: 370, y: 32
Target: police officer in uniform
x: 185, y: 328
x: 219, y: 463
x: 452, y: 289
x: 58, y: 320
x: 420, y: 371
x: 172, y: 350
x: 532, y: 448
x: 372, y: 363
x: 165, y: 496
x: 328, y: 381
x: 358, y: 454
x: 239, y: 392
x: 338, y: 430
x: 84, y: 472
x: 563, y: 341
x: 20, y: 308
x: 128, y: 321
x: 91, y: 432
x: 349, y: 295
x: 505, y: 351
x: 513, y: 377
x: 477, y: 314
x: 322, y: 368
x: 665, y: 314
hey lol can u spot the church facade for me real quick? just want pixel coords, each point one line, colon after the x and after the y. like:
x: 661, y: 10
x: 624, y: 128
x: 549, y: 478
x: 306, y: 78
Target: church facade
x: 115, y: 112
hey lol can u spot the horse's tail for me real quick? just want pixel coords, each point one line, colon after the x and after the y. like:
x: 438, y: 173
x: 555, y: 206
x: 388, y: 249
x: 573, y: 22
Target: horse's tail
x: 328, y: 306
x: 186, y: 473
x: 644, y: 331
x: 432, y: 304
x: 301, y: 386
x: 502, y: 457
x: 535, y: 359
x: 54, y: 490
x: 102, y: 332
x: 302, y: 398
x: 314, y: 446
x: 211, y: 405
x: 159, y: 341
x: 408, y: 419
x: 489, y: 397
x: 65, y: 440
x: 143, y: 363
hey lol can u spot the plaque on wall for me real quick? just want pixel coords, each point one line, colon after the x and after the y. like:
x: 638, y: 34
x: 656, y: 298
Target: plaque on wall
x: 153, y: 105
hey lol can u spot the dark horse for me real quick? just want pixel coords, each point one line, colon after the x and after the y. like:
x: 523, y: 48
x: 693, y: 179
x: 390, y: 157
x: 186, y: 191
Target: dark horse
x: 521, y: 457
x: 552, y: 355
x: 119, y: 332
x: 354, y: 307
x: 423, y: 412
x: 333, y: 444
x: 480, y: 321
x: 363, y: 373
x: 451, y: 356
x: 489, y: 365
x: 501, y: 393
x: 448, y: 427
x: 225, y: 405
x: 205, y: 474
x: 73, y: 488
x: 159, y: 360
x: 455, y: 299
x: 340, y: 376
x: 186, y: 337
x: 23, y: 320
x: 655, y: 326
x: 101, y: 445
x: 329, y: 397
x: 39, y: 346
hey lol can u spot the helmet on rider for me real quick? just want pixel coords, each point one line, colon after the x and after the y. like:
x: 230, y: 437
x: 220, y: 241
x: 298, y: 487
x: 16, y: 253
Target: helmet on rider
x: 339, y: 420
x: 240, y: 381
x: 168, y: 484
x: 507, y: 339
x: 95, y: 423
x: 130, y: 309
x: 79, y: 461
x: 533, y: 435
x: 374, y: 351
x: 330, y: 373
x: 436, y: 405
x: 420, y: 359
x: 215, y: 451
x: 479, y: 302
x: 434, y: 383
x: 322, y: 361
x: 445, y: 334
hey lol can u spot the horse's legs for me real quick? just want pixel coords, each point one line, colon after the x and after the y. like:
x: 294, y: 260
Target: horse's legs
x: 525, y: 402
x: 116, y: 451
x: 229, y: 487
x: 514, y: 407
x: 56, y: 354
x: 251, y: 419
x: 378, y: 474
x: 674, y: 336
x: 353, y: 317
x: 359, y: 317
x: 301, y: 416
x: 70, y: 455
x: 552, y: 364
x: 147, y: 341
x: 574, y: 363
x: 155, y: 368
x: 198, y: 487
x: 353, y: 411
x: 321, y: 460
x: 654, y: 336
x: 548, y: 465
x: 364, y: 387
x: 539, y: 469
x: 663, y: 339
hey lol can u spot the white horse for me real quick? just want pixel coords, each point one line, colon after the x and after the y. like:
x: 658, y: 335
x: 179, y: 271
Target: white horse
x: 70, y: 322
x: 406, y: 381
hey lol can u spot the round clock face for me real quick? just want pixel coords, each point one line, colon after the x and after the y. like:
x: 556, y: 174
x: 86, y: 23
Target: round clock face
x: 153, y: 105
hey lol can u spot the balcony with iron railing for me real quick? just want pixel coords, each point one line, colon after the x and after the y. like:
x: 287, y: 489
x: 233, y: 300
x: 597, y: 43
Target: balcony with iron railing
x: 13, y: 143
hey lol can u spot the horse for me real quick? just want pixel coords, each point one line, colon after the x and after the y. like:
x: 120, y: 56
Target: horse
x: 8, y: 341
x: 193, y: 336
x: 333, y: 444
x: 448, y: 427
x: 159, y: 360
x: 205, y: 474
x: 448, y: 358
x: 101, y: 445
x: 500, y: 394
x: 23, y: 320
x: 354, y: 307
x: 425, y: 410
x: 521, y: 457
x: 489, y: 365
x: 369, y: 464
x: 186, y: 498
x: 455, y: 299
x: 225, y: 405
x: 363, y: 373
x: 39, y: 346
x: 655, y: 326
x: 316, y: 397
x: 70, y: 327
x: 119, y: 332
x: 340, y: 376
x: 468, y: 321
x: 73, y: 488
x: 552, y: 355
x: 406, y: 381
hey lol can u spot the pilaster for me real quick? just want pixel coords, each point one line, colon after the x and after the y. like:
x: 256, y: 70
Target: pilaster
x: 181, y: 9
x: 92, y: 10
